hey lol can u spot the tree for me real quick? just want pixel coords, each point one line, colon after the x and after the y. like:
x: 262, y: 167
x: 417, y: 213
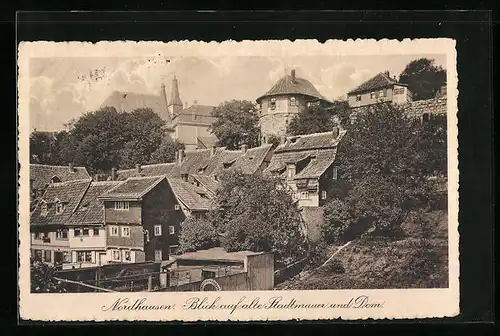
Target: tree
x: 385, y: 161
x: 235, y: 124
x: 41, y: 148
x: 42, y: 280
x: 197, y: 234
x: 338, y: 220
x: 258, y: 214
x: 317, y: 118
x: 424, y: 79
x: 166, y: 151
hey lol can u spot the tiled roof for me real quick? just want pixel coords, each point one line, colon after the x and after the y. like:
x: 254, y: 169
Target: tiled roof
x: 133, y: 188
x: 252, y: 160
x: 379, y: 81
x: 168, y: 169
x: 318, y: 165
x: 40, y: 174
x: 280, y: 160
x: 130, y: 101
x: 286, y: 86
x: 222, y: 160
x: 188, y: 194
x: 200, y: 114
x: 194, y: 161
x: 309, y: 141
x: 206, y: 181
x: 207, y: 142
x: 69, y: 193
x: 89, y: 210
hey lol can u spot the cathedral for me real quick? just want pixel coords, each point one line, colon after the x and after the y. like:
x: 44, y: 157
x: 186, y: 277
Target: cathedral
x: 188, y: 124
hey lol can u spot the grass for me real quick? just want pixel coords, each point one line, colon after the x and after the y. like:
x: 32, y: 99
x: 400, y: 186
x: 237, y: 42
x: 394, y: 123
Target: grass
x: 377, y: 263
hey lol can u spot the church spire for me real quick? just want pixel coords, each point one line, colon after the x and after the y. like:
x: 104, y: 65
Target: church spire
x: 163, y: 94
x: 175, y: 103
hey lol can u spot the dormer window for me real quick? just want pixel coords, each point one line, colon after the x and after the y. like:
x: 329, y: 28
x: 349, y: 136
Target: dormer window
x: 59, y: 207
x: 382, y: 93
x: 358, y: 98
x: 44, y: 209
x: 372, y: 95
x: 293, y: 101
x: 335, y: 173
x: 55, y: 179
x: 272, y: 104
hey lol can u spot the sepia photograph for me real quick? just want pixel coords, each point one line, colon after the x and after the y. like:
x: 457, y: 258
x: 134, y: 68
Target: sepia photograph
x: 178, y: 171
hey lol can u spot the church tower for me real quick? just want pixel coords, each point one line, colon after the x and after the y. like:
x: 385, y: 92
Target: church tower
x: 175, y: 103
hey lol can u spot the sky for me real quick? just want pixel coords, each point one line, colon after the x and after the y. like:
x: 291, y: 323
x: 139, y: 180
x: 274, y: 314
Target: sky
x: 62, y: 89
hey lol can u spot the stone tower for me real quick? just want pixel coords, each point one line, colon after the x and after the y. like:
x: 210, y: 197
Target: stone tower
x: 175, y: 103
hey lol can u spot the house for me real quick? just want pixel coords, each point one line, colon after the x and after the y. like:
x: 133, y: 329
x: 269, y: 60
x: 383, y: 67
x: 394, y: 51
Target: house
x: 41, y: 176
x: 380, y: 88
x: 217, y: 269
x: 306, y: 165
x: 142, y: 216
x: 187, y: 124
x: 283, y: 101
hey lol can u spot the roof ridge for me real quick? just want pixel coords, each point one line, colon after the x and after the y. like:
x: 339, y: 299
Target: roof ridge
x: 71, y: 181
x: 54, y: 166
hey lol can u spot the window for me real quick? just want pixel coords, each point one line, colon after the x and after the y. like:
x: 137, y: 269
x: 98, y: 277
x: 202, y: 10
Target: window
x: 125, y: 231
x: 157, y: 230
x: 293, y: 101
x: 304, y: 195
x: 66, y: 257
x: 398, y: 91
x: 78, y: 232
x: 323, y: 195
x: 382, y: 93
x: 62, y: 234
x: 146, y: 232
x: 272, y: 104
x: 171, y: 229
x: 44, y: 209
x: 116, y: 255
x: 358, y: 98
x: 85, y: 232
x: 37, y: 235
x: 95, y: 231
x: 88, y: 256
x: 38, y: 254
x: 80, y: 256
x: 158, y: 255
x: 173, y: 249
x: 372, y: 95
x: 121, y: 205
x: 127, y: 256
x: 113, y: 230
x: 59, y: 208
x: 291, y: 171
x: 177, y: 207
x: 335, y: 173
x: 47, y: 256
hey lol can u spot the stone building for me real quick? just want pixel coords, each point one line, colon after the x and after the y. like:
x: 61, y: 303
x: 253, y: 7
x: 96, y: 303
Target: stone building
x: 189, y: 125
x: 378, y: 89
x: 283, y: 101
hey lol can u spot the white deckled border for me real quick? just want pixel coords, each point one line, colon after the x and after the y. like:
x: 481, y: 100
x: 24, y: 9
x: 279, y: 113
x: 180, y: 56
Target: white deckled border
x: 398, y: 303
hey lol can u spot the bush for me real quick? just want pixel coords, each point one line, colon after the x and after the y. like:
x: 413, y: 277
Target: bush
x: 318, y: 253
x: 42, y: 280
x: 338, y: 221
x: 197, y: 234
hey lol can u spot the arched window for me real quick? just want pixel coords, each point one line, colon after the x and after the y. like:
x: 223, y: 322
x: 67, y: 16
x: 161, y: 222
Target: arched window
x: 425, y: 117
x: 55, y: 179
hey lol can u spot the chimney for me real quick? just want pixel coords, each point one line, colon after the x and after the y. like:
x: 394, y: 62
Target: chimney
x: 71, y: 167
x: 180, y: 156
x: 335, y: 132
x: 387, y: 74
x: 293, y: 75
x: 138, y: 168
x: 113, y: 174
x: 244, y: 148
x: 283, y: 140
x: 212, y: 151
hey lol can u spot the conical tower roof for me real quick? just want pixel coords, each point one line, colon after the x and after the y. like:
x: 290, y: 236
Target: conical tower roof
x: 175, y: 99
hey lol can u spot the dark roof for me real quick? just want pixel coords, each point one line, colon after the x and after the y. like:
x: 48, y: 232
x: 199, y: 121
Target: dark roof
x: 175, y: 99
x: 379, y: 81
x: 318, y: 148
x: 130, y: 101
x: 89, y: 210
x: 188, y: 194
x: 194, y: 161
x: 222, y: 160
x: 251, y: 161
x: 206, y: 181
x: 168, y: 169
x: 309, y: 141
x: 207, y: 142
x: 133, y: 188
x: 200, y: 114
x: 286, y: 86
x: 69, y: 193
x: 216, y: 253
x: 40, y: 174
